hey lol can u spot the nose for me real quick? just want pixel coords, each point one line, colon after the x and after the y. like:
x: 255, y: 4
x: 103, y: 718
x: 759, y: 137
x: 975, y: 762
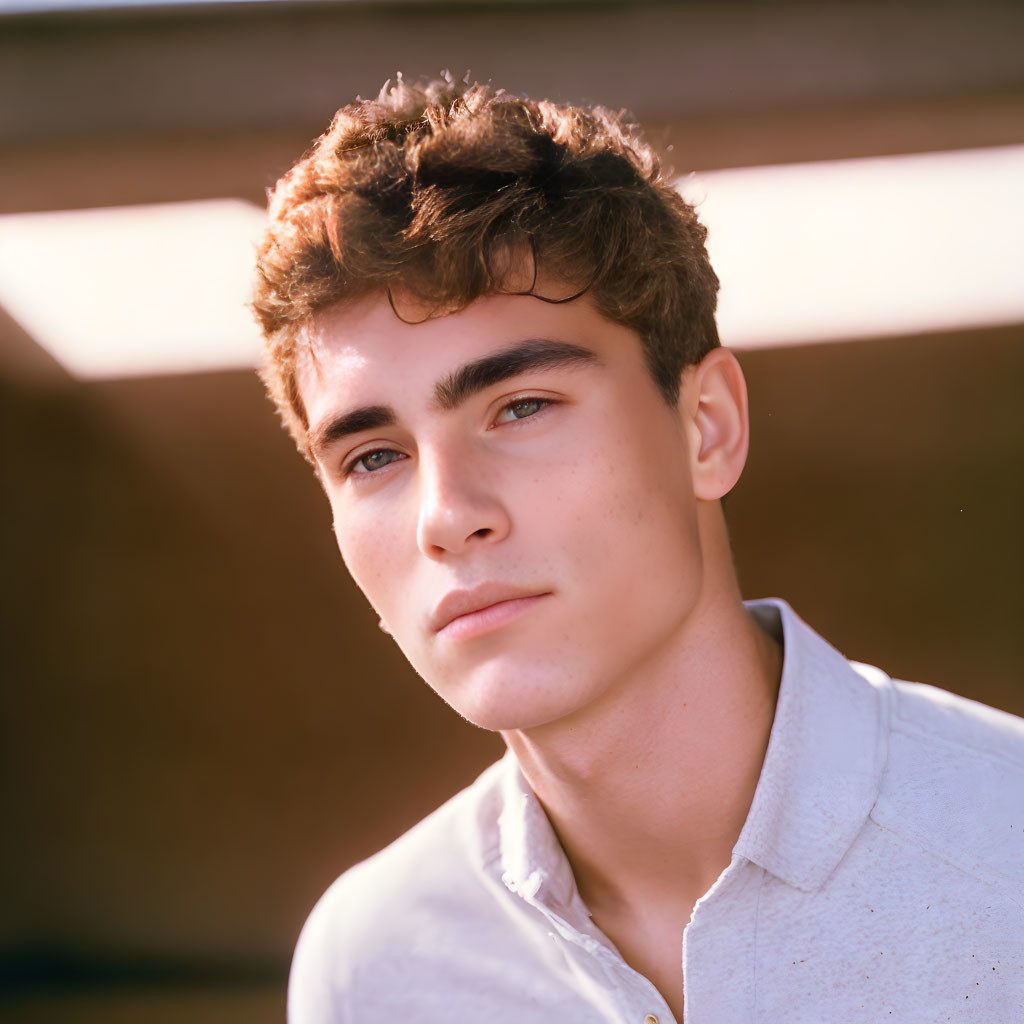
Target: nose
x: 458, y: 506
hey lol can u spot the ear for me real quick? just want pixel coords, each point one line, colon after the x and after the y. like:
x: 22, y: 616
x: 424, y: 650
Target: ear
x: 713, y: 398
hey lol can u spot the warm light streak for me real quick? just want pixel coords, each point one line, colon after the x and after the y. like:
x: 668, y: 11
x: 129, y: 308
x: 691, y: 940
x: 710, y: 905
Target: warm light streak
x: 806, y: 253
x: 866, y: 248
x: 135, y: 290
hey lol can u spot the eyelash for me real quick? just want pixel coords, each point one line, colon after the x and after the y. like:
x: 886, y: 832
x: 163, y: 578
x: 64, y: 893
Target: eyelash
x: 522, y: 400
x: 349, y: 469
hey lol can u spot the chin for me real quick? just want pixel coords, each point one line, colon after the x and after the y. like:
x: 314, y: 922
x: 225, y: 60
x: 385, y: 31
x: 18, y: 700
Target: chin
x: 503, y: 695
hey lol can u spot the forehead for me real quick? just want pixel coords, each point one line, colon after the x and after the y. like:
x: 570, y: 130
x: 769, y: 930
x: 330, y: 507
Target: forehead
x: 361, y: 353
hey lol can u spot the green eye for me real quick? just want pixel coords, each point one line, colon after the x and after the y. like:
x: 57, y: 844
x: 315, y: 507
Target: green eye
x: 522, y: 409
x: 375, y: 460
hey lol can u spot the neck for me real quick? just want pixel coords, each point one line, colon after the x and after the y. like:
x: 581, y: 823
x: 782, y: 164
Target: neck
x: 649, y: 792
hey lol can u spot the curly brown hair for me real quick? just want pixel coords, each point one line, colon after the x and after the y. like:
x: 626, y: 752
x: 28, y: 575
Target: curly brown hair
x: 428, y: 189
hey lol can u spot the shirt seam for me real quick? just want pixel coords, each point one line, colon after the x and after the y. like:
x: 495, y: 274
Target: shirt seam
x: 754, y: 946
x: 922, y: 846
x: 914, y: 731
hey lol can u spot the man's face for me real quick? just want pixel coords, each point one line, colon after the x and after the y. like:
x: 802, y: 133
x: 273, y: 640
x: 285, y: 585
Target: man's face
x: 513, y: 495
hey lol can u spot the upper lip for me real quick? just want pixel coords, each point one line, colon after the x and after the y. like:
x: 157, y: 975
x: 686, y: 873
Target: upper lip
x: 465, y: 602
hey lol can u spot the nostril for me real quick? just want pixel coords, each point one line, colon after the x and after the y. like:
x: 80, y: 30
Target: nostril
x: 482, y: 532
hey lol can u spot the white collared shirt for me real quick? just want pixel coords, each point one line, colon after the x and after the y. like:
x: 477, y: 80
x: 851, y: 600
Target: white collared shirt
x: 879, y: 875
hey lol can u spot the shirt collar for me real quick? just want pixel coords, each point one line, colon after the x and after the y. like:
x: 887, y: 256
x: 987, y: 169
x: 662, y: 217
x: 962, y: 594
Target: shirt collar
x: 820, y: 778
x: 826, y: 754
x: 533, y: 862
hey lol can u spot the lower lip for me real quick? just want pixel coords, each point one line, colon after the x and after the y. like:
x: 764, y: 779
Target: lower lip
x: 486, y: 620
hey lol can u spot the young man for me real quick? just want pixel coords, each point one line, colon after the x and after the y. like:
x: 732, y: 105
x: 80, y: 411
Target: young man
x: 490, y: 328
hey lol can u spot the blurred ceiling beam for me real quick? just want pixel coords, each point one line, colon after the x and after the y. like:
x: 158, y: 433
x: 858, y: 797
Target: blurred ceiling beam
x: 243, y: 68
x: 75, y: 173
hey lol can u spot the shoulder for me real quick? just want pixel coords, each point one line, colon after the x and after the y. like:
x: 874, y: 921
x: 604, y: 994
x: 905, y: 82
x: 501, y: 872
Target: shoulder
x: 405, y: 901
x: 954, y: 781
x: 933, y: 716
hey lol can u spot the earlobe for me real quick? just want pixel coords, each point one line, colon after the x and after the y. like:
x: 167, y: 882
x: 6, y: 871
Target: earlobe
x: 715, y: 399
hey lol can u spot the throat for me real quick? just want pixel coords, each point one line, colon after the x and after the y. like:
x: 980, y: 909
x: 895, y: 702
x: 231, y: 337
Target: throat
x: 650, y: 940
x: 659, y: 781
x: 648, y: 797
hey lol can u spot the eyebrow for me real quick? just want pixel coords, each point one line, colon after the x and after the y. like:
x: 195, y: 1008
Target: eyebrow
x: 454, y: 388
x: 370, y: 417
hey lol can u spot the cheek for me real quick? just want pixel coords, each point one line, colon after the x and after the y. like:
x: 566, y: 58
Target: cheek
x: 638, y: 483
x: 635, y: 524
x: 370, y: 553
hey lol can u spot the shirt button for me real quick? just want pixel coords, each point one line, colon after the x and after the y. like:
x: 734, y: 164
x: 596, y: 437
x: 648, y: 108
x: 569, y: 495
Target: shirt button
x: 650, y: 1019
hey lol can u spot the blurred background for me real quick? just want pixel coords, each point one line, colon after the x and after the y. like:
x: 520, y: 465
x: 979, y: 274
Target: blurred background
x: 201, y: 724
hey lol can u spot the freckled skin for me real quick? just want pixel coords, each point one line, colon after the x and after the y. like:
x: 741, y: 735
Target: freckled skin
x: 588, y: 501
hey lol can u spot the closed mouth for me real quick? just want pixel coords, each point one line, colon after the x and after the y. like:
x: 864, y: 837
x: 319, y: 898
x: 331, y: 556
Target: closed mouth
x: 485, y: 598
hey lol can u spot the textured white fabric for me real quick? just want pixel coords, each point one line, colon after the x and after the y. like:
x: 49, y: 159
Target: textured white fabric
x: 880, y: 874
